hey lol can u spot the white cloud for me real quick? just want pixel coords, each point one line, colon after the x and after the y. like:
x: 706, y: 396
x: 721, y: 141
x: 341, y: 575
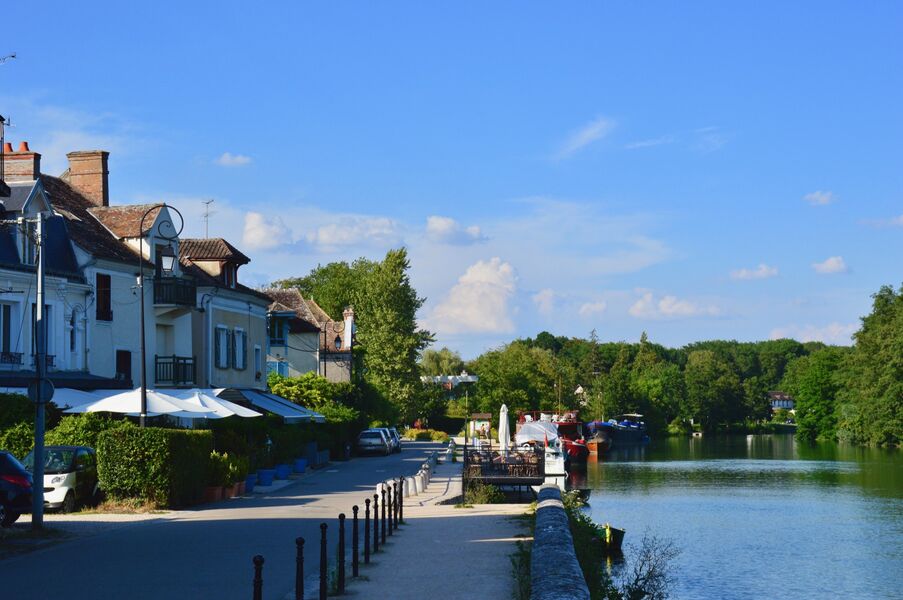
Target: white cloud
x: 668, y: 307
x: 261, y: 233
x: 355, y: 230
x: 448, y: 231
x: 819, y: 198
x: 545, y: 301
x: 227, y: 159
x: 708, y: 139
x: 829, y: 266
x: 479, y: 301
x: 659, y: 141
x: 583, y: 137
x: 896, y: 221
x: 763, y: 271
x: 589, y: 309
x: 833, y: 333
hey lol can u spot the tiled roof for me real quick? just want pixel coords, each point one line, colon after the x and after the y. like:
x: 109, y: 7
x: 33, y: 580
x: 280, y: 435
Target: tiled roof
x: 211, y: 248
x: 307, y: 310
x: 204, y: 278
x: 124, y: 220
x: 84, y: 229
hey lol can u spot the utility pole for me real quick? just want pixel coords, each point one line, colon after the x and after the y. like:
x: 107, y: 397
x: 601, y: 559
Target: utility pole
x: 39, y: 391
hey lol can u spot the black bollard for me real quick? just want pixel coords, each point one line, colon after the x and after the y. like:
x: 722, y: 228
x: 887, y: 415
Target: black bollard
x: 401, y: 501
x: 324, y: 587
x: 367, y: 531
x: 341, y: 553
x: 382, y: 518
x: 395, y: 505
x: 299, y: 569
x: 258, y: 577
x: 354, y: 544
x: 375, y: 523
x: 389, y: 509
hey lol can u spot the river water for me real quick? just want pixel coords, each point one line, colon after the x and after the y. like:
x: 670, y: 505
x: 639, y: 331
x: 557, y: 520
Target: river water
x: 761, y: 516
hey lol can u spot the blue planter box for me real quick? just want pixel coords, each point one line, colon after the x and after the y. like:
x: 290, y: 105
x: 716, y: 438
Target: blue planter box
x: 250, y: 482
x: 300, y: 465
x: 283, y: 471
x: 266, y: 476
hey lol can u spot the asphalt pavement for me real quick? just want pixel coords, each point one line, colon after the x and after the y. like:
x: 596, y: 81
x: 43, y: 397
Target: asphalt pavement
x: 207, y: 552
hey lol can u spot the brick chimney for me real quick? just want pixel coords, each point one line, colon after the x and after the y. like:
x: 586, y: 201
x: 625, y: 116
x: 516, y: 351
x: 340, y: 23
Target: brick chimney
x: 88, y: 174
x: 22, y: 165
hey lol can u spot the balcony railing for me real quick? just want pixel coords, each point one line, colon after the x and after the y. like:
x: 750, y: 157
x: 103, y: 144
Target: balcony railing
x: 11, y: 358
x: 277, y: 341
x: 49, y: 358
x: 173, y: 290
x: 174, y: 370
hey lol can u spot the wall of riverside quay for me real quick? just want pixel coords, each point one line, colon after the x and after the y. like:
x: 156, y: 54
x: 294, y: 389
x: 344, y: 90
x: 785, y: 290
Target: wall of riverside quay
x: 554, y: 571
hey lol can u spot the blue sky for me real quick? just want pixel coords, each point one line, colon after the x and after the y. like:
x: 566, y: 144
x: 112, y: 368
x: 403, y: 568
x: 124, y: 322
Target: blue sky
x: 695, y: 170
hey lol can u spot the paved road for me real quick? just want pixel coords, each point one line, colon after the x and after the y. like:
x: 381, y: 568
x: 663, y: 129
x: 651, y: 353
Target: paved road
x: 207, y: 553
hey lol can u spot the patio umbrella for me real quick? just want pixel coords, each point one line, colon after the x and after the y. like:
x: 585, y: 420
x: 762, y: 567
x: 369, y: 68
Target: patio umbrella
x: 504, y: 432
x: 129, y: 402
x: 208, y: 400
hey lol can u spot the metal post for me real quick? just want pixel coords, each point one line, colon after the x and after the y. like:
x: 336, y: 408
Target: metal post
x: 258, y: 577
x: 142, y: 417
x: 389, y: 509
x: 299, y: 569
x: 375, y: 523
x: 401, y: 502
x: 367, y: 531
x: 399, y: 492
x: 341, y: 569
x: 37, y: 497
x: 324, y: 587
x: 393, y: 503
x: 382, y: 519
x: 354, y: 543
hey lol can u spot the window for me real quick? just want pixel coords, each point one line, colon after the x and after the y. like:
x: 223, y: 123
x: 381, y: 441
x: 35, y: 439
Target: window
x: 28, y: 247
x: 103, y: 300
x: 277, y: 331
x: 338, y: 342
x: 124, y: 365
x: 72, y: 331
x: 230, y: 275
x: 222, y: 347
x: 5, y: 327
x: 239, y: 349
x: 257, y: 363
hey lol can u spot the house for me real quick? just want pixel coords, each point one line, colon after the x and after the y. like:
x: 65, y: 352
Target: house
x: 304, y: 339
x: 231, y: 319
x: 781, y: 400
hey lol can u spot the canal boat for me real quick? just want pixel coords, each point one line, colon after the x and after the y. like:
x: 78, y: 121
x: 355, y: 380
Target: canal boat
x: 626, y: 430
x: 569, y: 429
x: 542, y: 436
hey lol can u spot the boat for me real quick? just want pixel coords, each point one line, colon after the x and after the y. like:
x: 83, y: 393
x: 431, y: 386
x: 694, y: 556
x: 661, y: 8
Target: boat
x: 570, y: 432
x: 626, y: 430
x: 533, y: 435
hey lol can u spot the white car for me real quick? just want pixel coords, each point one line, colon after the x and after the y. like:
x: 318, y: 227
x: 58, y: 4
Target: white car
x: 70, y: 476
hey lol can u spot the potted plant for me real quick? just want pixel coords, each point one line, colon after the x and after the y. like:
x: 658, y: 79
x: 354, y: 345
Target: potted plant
x: 218, y: 471
x: 300, y: 465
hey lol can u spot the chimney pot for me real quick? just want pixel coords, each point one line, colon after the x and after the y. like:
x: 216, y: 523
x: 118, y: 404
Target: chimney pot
x: 23, y: 147
x: 7, y: 148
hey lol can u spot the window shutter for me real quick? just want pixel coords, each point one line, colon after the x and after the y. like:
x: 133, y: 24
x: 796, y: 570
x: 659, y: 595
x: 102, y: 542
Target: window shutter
x: 216, y: 349
x: 230, y: 343
x: 244, y: 350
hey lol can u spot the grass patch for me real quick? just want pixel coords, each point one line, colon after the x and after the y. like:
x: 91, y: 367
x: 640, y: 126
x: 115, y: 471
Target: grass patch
x: 520, y: 570
x: 480, y: 493
x: 125, y: 506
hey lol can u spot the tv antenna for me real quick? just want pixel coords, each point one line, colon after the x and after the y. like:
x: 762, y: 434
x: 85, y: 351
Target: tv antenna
x: 207, y: 214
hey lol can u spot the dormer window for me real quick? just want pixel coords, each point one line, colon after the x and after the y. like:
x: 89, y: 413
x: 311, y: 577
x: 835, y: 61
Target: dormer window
x: 230, y: 275
x: 27, y: 248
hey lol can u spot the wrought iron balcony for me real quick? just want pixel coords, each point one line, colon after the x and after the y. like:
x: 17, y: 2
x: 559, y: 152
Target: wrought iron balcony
x: 49, y: 358
x: 11, y: 358
x: 174, y: 370
x: 174, y: 290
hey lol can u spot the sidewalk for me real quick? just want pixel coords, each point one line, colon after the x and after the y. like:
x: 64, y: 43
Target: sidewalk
x: 443, y: 551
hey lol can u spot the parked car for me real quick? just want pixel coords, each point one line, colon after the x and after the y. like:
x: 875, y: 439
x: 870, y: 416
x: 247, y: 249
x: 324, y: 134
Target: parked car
x: 70, y: 476
x: 394, y: 442
x: 15, y: 489
x: 396, y: 437
x: 373, y: 441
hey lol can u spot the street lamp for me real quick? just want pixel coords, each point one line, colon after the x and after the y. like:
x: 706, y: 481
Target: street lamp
x: 167, y: 261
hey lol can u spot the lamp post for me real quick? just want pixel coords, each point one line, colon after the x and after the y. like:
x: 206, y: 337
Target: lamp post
x: 167, y: 262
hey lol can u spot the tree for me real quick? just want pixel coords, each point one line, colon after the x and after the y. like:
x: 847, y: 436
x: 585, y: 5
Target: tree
x: 333, y: 286
x: 389, y: 341
x: 521, y: 376
x: 871, y: 396
x: 713, y: 389
x: 441, y: 362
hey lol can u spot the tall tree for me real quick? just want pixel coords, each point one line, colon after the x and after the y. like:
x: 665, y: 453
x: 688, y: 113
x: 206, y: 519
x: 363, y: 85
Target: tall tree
x: 713, y: 389
x: 441, y: 362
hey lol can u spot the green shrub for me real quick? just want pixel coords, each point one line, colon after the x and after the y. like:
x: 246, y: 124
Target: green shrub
x: 229, y: 440
x: 16, y: 408
x: 168, y: 467
x: 481, y: 493
x: 238, y: 468
x: 82, y: 430
x: 18, y: 439
x: 425, y: 435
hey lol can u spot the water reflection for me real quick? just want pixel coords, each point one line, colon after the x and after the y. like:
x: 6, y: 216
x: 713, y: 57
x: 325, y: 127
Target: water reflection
x: 760, y: 515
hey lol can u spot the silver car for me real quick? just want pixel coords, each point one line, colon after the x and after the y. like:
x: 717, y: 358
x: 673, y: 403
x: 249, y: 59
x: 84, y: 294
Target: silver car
x: 372, y: 441
x: 392, y: 436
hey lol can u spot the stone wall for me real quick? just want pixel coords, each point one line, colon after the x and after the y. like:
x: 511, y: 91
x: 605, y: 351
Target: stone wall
x: 554, y: 571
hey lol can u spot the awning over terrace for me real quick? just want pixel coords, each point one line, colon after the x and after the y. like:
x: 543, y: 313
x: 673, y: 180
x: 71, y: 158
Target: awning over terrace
x: 277, y: 405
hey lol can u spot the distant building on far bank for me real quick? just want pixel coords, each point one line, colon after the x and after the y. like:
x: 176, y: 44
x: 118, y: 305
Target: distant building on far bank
x: 781, y: 400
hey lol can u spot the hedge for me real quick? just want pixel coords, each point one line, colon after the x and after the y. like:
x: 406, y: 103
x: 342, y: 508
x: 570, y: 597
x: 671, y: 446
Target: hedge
x: 168, y: 467
x: 82, y: 430
x: 17, y: 439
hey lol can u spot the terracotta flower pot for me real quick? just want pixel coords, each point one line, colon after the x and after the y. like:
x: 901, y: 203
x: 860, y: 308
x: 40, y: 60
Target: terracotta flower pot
x: 228, y: 491
x: 213, y: 494
x: 240, y: 488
